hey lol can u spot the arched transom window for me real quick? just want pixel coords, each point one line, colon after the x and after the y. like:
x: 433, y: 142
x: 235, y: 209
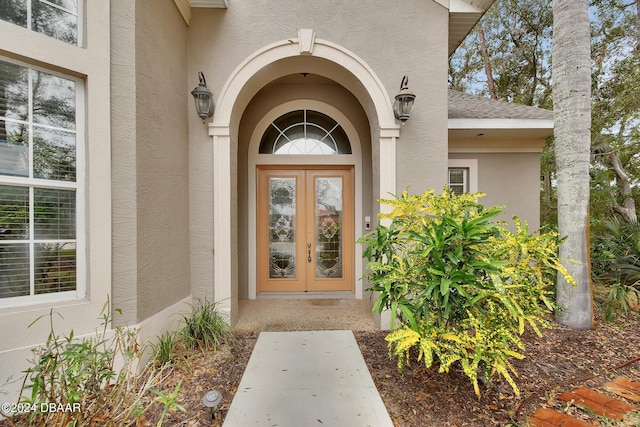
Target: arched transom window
x: 304, y: 132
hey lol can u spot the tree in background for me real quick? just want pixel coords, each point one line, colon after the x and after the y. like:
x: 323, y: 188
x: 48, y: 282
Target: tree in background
x: 517, y: 51
x: 616, y: 107
x: 508, y: 57
x: 511, y: 51
x: 571, y: 68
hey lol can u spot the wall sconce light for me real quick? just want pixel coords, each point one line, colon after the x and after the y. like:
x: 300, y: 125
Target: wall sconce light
x: 203, y: 98
x: 404, y: 101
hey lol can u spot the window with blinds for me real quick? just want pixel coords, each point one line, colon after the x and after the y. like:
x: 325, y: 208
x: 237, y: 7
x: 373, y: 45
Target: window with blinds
x: 54, y: 18
x: 38, y: 186
x: 459, y: 180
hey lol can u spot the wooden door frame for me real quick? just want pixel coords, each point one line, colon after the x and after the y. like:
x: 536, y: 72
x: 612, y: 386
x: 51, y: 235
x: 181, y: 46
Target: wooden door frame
x: 355, y: 159
x: 306, y: 280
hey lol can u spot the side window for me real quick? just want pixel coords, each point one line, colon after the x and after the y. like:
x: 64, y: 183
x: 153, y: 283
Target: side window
x: 458, y: 180
x: 54, y: 18
x: 38, y: 181
x: 462, y: 175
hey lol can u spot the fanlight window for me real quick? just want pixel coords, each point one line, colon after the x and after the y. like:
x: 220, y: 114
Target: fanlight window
x: 305, y: 132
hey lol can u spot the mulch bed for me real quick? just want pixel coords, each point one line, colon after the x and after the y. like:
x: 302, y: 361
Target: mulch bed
x: 560, y: 360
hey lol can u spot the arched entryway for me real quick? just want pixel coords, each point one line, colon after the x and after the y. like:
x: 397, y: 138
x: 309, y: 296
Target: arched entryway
x: 305, y: 54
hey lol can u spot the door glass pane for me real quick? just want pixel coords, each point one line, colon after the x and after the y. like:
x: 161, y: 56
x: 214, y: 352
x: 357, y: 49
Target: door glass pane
x: 282, y: 228
x: 328, y: 222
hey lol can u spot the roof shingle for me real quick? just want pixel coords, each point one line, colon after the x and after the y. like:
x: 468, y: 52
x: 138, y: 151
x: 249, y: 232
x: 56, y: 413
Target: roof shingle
x: 465, y: 106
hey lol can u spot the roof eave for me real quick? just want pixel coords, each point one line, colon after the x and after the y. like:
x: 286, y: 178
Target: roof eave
x: 500, y: 129
x: 463, y: 16
x: 501, y: 124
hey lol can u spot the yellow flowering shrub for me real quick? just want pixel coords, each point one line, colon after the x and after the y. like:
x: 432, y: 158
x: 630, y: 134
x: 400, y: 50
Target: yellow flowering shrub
x: 462, y: 286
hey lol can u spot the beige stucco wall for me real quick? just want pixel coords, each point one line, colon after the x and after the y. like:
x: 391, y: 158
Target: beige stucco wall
x: 391, y: 41
x: 510, y: 179
x: 150, y: 161
x: 123, y: 113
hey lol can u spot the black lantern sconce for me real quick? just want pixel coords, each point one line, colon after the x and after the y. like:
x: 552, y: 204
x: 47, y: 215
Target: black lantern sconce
x: 404, y: 101
x: 203, y: 98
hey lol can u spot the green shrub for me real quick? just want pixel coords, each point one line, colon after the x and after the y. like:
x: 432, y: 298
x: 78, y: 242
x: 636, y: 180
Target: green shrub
x: 103, y: 379
x: 166, y: 350
x: 462, y: 285
x: 97, y: 379
x: 615, y: 253
x: 204, y: 327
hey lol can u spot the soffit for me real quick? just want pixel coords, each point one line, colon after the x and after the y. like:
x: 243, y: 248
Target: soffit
x: 463, y: 16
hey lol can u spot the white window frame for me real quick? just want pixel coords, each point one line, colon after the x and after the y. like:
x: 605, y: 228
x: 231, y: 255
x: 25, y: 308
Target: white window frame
x: 471, y: 175
x: 78, y: 186
x: 78, y: 13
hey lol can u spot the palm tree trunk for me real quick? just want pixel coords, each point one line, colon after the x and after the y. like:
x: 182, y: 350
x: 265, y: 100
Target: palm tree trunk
x: 572, y: 115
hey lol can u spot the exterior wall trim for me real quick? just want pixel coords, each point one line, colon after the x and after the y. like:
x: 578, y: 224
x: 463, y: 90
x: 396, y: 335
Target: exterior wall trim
x: 291, y: 48
x: 500, y: 124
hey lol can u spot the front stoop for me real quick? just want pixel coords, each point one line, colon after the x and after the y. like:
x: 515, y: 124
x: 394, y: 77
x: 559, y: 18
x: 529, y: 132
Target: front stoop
x: 545, y: 417
x: 592, y: 401
x: 598, y: 403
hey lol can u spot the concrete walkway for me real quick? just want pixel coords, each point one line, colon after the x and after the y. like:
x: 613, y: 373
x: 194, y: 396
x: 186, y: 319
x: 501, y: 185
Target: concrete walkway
x: 312, y: 378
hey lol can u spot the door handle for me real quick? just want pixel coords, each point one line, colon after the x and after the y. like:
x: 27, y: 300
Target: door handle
x: 309, y: 252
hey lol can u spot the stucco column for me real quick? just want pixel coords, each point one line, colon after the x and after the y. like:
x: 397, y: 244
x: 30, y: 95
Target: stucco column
x: 388, y: 138
x: 222, y: 219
